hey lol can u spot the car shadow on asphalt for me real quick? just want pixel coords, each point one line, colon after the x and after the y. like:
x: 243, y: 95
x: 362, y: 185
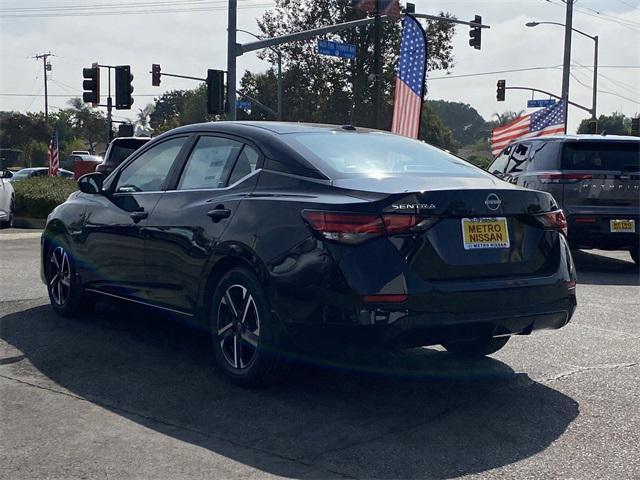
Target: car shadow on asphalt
x: 596, y: 269
x: 416, y: 414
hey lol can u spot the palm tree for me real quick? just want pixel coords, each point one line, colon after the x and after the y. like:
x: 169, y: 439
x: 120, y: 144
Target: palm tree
x: 142, y: 122
x: 507, y: 117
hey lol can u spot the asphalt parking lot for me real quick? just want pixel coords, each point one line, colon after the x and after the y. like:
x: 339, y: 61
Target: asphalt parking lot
x: 125, y: 394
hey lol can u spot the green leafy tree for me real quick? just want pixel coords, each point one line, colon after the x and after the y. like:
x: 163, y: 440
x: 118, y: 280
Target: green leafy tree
x: 88, y: 124
x: 180, y: 107
x: 464, y: 121
x: 615, y: 124
x: 323, y: 89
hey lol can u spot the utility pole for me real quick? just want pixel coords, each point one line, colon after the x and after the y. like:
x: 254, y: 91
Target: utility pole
x: 377, y: 64
x: 566, y: 70
x: 231, y: 59
x: 46, y: 67
x: 595, y: 79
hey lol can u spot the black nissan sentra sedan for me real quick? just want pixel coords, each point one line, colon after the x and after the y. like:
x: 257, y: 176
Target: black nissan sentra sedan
x: 279, y: 236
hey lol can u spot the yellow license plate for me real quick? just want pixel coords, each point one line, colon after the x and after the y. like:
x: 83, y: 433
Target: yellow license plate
x: 485, y: 233
x: 623, y: 226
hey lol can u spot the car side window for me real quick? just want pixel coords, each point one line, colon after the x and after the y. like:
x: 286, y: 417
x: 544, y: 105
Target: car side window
x: 209, y: 163
x: 148, y: 172
x: 500, y: 162
x: 245, y: 165
x: 518, y: 159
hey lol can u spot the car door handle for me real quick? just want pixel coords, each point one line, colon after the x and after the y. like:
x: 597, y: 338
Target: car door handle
x: 218, y: 214
x: 139, y: 215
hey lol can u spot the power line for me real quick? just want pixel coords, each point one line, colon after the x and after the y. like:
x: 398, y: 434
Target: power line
x: 134, y: 12
x: 604, y: 91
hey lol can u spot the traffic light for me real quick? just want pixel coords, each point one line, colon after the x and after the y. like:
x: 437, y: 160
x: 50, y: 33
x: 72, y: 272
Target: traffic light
x: 125, y: 130
x: 502, y: 85
x: 155, y: 75
x: 91, y: 84
x: 475, y: 34
x: 124, y: 88
x: 635, y: 127
x: 592, y: 127
x: 215, y: 91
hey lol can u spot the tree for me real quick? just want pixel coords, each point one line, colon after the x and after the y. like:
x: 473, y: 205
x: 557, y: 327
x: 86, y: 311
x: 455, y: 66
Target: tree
x: 433, y: 131
x: 615, y: 124
x: 90, y: 125
x: 142, y: 120
x: 180, y: 107
x: 464, y: 121
x: 329, y: 90
x: 505, y: 117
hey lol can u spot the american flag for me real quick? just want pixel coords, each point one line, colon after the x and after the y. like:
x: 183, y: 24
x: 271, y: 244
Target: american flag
x: 385, y: 7
x: 548, y: 121
x: 53, y: 154
x: 412, y: 66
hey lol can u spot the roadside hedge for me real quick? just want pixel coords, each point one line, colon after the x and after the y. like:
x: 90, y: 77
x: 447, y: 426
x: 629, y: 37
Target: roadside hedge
x: 36, y: 197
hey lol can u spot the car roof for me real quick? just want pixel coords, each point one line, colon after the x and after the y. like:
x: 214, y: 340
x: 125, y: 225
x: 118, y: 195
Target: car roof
x: 278, y: 128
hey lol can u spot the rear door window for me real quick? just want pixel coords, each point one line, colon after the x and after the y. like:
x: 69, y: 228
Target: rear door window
x: 210, y: 163
x: 245, y: 165
x: 602, y: 155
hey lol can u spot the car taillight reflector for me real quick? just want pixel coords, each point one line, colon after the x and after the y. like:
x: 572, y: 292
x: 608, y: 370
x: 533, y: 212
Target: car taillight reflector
x: 553, y: 221
x: 585, y: 220
x: 354, y: 228
x: 385, y: 298
x: 558, y: 177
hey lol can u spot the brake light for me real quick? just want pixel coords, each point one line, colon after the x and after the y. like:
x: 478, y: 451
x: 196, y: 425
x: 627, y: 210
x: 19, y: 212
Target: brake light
x: 355, y: 228
x: 558, y: 177
x: 585, y: 220
x: 555, y: 220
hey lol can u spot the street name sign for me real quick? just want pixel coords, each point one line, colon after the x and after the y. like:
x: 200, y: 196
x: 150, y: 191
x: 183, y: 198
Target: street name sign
x: 336, y: 49
x: 541, y: 103
x: 243, y: 104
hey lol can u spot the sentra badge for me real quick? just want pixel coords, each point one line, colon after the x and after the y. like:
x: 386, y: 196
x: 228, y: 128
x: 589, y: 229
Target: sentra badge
x: 413, y: 206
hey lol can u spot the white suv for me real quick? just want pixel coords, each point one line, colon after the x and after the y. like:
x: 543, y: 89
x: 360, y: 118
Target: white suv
x: 7, y: 200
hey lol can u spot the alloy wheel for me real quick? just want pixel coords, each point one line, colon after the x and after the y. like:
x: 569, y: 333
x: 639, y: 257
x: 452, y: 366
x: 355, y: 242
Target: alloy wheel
x: 59, y: 276
x: 238, y: 326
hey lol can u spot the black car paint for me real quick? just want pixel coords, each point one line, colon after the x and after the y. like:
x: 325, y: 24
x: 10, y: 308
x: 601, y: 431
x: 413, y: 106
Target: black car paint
x: 173, y: 257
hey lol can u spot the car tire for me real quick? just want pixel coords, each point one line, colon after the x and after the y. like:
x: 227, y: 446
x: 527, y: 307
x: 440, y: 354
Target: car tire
x: 634, y: 256
x: 478, y: 347
x: 242, y: 330
x: 63, y: 284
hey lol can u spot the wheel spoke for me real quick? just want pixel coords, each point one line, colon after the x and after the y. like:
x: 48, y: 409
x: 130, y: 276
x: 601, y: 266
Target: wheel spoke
x: 54, y: 279
x: 55, y: 261
x: 235, y: 351
x: 65, y: 281
x: 229, y: 302
x: 245, y: 310
x: 226, y: 330
x: 251, y: 338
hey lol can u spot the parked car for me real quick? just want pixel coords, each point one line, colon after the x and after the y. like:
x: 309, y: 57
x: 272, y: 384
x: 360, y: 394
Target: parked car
x: 594, y: 178
x: 69, y: 162
x: 25, y: 173
x: 277, y: 237
x: 7, y: 200
x: 119, y: 149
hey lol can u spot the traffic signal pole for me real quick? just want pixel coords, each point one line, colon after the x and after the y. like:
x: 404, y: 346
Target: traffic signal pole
x: 566, y: 64
x: 232, y: 54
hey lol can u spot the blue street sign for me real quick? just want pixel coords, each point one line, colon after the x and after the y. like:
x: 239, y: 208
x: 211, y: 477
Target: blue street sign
x: 243, y: 105
x: 336, y: 49
x: 541, y: 103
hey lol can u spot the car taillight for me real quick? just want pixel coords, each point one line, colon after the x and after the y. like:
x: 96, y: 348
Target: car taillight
x: 557, y: 177
x: 553, y: 221
x: 354, y: 228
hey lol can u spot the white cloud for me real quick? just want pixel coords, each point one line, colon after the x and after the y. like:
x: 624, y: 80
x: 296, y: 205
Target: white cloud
x: 189, y: 43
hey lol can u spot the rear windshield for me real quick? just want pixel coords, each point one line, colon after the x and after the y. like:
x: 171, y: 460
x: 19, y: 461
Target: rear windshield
x: 120, y: 151
x: 348, y: 154
x: 618, y: 156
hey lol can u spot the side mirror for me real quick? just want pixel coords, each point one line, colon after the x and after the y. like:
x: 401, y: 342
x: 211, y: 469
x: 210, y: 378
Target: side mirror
x: 91, y: 183
x: 6, y: 174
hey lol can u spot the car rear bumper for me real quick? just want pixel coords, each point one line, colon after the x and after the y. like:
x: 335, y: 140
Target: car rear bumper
x: 589, y: 230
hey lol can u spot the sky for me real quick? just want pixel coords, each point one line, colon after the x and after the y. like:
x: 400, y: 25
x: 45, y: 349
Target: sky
x: 192, y: 40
